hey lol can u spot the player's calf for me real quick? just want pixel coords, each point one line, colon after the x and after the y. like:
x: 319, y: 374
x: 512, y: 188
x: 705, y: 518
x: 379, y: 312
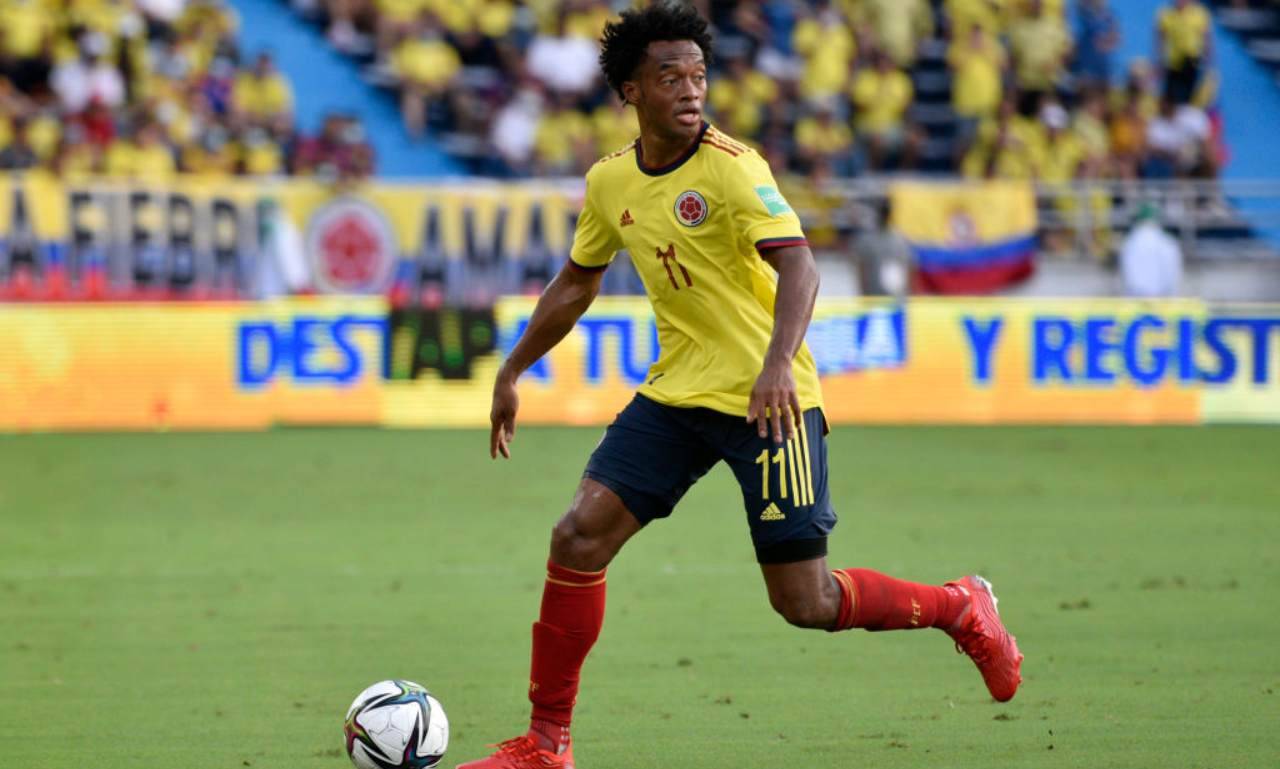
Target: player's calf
x: 807, y: 614
x: 804, y: 594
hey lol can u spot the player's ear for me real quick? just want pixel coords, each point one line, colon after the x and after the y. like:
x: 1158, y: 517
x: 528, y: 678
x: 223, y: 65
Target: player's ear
x: 631, y: 92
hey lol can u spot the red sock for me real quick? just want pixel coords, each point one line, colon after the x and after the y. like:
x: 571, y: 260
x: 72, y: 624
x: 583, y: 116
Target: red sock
x: 570, y: 621
x: 874, y: 601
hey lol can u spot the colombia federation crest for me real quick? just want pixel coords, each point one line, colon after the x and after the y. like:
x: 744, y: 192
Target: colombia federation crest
x: 691, y: 208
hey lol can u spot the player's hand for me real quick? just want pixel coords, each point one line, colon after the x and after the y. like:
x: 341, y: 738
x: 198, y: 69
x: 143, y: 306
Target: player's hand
x: 502, y: 416
x: 774, y: 395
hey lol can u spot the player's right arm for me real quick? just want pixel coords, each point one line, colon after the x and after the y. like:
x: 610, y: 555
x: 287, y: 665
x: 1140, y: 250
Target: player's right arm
x: 558, y: 309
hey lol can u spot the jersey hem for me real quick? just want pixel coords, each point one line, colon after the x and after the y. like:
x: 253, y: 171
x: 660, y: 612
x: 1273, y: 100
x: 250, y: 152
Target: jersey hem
x: 733, y: 405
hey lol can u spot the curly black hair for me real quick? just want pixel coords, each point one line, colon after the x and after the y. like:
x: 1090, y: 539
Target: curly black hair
x: 623, y: 45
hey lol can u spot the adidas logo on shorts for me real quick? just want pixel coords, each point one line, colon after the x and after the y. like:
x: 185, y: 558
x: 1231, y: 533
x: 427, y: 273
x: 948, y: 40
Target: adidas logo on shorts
x: 772, y: 513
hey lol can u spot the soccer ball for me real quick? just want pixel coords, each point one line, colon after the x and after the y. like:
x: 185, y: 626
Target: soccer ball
x: 396, y: 724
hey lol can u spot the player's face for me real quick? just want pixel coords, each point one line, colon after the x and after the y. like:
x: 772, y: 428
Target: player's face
x: 669, y: 88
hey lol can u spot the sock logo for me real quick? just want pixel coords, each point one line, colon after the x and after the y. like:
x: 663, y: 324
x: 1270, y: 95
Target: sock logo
x: 915, y: 613
x: 772, y: 513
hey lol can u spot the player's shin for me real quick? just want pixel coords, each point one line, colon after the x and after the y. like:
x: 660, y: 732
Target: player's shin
x: 874, y: 601
x: 567, y: 627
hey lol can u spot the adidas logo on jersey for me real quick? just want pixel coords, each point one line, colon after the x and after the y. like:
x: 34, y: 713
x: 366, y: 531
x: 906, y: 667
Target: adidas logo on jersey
x: 626, y: 218
x: 772, y: 513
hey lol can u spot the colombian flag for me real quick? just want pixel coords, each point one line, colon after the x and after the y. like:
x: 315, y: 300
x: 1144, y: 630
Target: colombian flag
x: 967, y: 238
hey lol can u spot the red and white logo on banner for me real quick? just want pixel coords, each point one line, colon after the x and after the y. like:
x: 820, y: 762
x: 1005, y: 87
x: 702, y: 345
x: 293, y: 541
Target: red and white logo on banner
x: 352, y: 247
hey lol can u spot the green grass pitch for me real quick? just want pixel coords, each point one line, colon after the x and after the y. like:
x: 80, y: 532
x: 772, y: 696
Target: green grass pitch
x: 191, y: 600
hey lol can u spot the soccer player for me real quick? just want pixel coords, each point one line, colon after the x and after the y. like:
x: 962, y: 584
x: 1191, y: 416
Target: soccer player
x: 707, y: 230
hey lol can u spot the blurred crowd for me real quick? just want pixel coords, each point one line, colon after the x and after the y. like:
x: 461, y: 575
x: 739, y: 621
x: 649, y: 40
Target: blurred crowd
x: 1027, y: 88
x: 831, y: 88
x: 150, y: 89
x: 1058, y: 110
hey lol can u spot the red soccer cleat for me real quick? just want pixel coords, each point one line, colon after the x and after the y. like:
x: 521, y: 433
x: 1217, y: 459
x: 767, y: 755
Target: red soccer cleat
x: 980, y: 634
x: 523, y: 753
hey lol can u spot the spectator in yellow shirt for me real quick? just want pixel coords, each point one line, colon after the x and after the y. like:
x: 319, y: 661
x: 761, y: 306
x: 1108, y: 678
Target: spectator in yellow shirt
x: 427, y: 66
x: 964, y: 15
x: 615, y: 127
x: 740, y: 96
x: 76, y: 156
x: 562, y: 142
x: 821, y: 139
x: 260, y: 155
x: 825, y: 42
x: 1056, y: 166
x: 977, y: 65
x: 262, y: 96
x: 1005, y: 158
x: 898, y: 26
x: 26, y: 38
x: 881, y: 95
x: 816, y: 199
x: 586, y: 18
x: 1005, y: 147
x: 1041, y: 45
x: 1127, y: 135
x: 1140, y: 88
x: 153, y: 159
x: 117, y: 160
x: 145, y: 158
x: 213, y: 156
x: 1062, y: 153
x: 1183, y: 36
x: 44, y: 132
x: 977, y: 84
x: 1090, y: 127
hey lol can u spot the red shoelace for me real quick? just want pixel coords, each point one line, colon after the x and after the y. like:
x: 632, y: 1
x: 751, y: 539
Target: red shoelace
x: 970, y: 641
x: 523, y: 751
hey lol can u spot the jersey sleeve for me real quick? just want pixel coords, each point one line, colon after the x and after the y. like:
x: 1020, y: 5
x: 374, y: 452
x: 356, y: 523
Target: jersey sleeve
x: 759, y: 211
x: 594, y: 241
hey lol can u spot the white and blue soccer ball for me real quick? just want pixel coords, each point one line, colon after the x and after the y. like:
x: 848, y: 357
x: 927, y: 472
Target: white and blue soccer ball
x: 395, y: 724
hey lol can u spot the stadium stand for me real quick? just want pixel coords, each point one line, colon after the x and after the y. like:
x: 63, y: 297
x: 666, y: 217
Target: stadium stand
x: 989, y: 88
x: 1014, y: 88
x: 840, y: 96
x: 835, y: 89
x: 1258, y: 23
x: 146, y: 89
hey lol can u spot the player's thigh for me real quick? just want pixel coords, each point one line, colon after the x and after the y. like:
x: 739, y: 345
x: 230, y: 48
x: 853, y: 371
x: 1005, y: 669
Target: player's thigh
x: 593, y: 529
x: 784, y: 488
x: 649, y: 457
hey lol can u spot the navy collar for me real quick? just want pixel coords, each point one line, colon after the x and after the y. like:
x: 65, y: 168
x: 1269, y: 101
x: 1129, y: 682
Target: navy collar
x: 673, y: 165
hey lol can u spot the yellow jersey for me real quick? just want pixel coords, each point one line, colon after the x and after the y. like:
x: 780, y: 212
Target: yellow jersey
x: 1184, y: 32
x: 694, y: 229
x: 262, y: 97
x: 881, y: 99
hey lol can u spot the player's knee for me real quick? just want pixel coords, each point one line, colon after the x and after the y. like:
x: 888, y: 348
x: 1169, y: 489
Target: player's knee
x: 804, y: 611
x: 575, y: 548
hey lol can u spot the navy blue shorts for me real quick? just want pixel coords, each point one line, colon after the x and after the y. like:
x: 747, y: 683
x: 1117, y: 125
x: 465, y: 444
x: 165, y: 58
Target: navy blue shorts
x: 653, y: 453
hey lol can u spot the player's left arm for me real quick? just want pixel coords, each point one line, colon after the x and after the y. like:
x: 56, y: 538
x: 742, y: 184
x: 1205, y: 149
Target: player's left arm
x: 775, y: 393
